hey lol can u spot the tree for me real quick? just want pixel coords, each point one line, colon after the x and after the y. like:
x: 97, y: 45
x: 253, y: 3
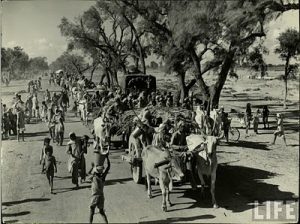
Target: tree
x: 88, y: 32
x: 15, y: 61
x: 70, y: 64
x: 256, y: 61
x: 38, y: 64
x: 207, y: 35
x: 289, y: 48
x: 129, y: 17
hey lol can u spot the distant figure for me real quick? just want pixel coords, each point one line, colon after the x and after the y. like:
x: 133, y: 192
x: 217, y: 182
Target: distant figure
x: 98, y: 180
x: 5, y: 126
x: 39, y: 83
x: 265, y: 114
x: 35, y: 104
x: 44, y: 111
x: 12, y: 122
x: 49, y: 166
x: 51, y: 122
x: 47, y: 96
x: 248, y: 117
x: 28, y: 105
x: 59, y: 127
x: 20, y: 110
x: 169, y: 102
x: 280, y: 130
x: 256, y: 121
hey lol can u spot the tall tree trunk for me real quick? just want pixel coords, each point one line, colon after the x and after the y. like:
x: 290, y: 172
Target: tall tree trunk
x: 184, y: 89
x: 215, y: 90
x: 285, y: 78
x: 102, y: 78
x: 285, y: 92
x: 140, y: 48
x: 113, y: 78
x: 124, y: 70
x: 136, y: 63
x: 92, y: 72
x: 203, y: 87
x: 108, y: 79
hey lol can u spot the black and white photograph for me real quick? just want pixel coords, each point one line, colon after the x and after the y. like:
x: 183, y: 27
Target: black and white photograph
x: 149, y: 111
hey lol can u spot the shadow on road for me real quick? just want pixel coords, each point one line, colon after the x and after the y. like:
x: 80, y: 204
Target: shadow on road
x: 118, y: 181
x: 10, y: 203
x: 237, y: 187
x: 15, y: 214
x: 11, y: 221
x: 35, y: 134
x: 251, y: 145
x: 63, y: 190
x: 67, y: 177
x: 180, y: 219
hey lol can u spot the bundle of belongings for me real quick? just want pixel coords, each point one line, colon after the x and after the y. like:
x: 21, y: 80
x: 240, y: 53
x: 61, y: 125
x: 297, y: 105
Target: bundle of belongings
x: 195, y: 143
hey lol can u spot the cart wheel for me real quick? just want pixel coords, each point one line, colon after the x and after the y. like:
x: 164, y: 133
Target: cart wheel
x: 234, y: 134
x: 136, y: 170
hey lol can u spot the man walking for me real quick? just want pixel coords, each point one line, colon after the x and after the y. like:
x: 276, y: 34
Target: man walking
x: 73, y: 149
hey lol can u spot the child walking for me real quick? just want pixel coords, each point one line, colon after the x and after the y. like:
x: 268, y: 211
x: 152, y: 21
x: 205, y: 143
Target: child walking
x: 280, y: 130
x: 44, y: 111
x: 46, y: 144
x: 49, y: 166
x: 98, y: 179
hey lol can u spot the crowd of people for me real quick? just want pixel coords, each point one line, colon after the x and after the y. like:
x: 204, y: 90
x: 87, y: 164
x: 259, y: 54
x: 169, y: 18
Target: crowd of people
x: 111, y: 104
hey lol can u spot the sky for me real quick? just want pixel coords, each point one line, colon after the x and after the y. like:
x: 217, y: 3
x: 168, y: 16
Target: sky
x: 33, y: 25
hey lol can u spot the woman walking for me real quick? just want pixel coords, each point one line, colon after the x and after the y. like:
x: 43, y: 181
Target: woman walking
x: 248, y: 117
x: 265, y: 114
x: 73, y: 149
x: 20, y: 111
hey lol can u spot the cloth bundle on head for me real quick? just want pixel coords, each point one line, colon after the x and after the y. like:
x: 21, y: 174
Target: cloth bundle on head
x: 98, y: 170
x: 47, y: 140
x: 72, y: 135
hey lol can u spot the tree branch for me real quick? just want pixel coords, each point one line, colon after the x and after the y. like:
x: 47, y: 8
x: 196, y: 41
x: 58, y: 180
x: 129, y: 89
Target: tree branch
x: 253, y: 35
x: 211, y: 66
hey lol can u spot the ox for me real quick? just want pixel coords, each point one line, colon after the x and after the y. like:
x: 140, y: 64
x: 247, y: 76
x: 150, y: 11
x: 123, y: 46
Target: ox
x: 205, y: 155
x: 102, y: 133
x: 163, y: 166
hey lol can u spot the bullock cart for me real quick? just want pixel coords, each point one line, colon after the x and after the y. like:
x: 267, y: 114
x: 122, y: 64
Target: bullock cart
x: 136, y: 131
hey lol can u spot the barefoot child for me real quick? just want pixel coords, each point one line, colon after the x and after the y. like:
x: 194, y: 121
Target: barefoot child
x: 49, y: 166
x: 280, y: 130
x: 98, y: 179
x: 43, y: 154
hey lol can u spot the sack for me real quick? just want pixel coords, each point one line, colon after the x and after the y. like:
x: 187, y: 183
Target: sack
x: 194, y: 141
x: 70, y: 164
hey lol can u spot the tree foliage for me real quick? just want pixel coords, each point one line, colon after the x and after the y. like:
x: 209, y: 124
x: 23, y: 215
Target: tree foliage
x: 201, y: 36
x: 289, y: 47
x: 17, y: 63
x: 70, y: 63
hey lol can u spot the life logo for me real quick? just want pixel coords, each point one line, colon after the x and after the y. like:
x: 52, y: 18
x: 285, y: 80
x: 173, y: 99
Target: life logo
x: 276, y: 211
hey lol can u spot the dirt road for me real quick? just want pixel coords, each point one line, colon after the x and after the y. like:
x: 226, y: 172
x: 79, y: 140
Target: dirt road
x: 249, y: 170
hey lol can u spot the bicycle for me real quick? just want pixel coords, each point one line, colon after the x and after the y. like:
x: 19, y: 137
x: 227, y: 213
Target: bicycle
x: 233, y: 133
